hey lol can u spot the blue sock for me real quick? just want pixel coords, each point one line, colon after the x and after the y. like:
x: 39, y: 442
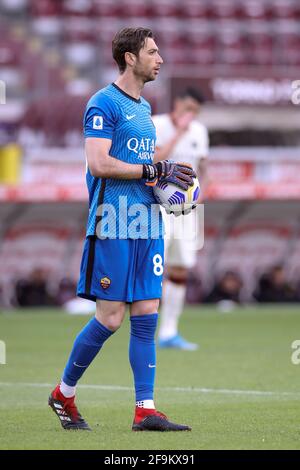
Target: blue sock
x: 142, y: 354
x: 86, y: 346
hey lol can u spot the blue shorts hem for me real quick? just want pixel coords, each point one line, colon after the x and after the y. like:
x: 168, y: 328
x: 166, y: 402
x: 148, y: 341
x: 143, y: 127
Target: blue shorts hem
x: 93, y: 298
x: 86, y: 296
x: 151, y: 297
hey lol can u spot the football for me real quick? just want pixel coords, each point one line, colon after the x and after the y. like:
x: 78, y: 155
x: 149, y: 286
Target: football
x: 175, y: 200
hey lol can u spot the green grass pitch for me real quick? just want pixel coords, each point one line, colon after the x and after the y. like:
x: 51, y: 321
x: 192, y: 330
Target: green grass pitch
x: 240, y: 390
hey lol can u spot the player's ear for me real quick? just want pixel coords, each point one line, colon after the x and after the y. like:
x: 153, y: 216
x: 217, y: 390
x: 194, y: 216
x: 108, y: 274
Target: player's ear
x: 130, y: 59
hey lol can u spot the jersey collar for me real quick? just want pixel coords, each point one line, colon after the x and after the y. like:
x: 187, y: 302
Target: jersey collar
x: 126, y: 94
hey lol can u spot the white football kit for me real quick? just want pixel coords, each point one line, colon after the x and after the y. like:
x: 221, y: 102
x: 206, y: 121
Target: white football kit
x: 190, y: 148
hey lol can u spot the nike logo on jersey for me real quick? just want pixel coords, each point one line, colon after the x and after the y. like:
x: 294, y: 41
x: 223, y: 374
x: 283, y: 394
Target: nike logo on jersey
x: 77, y: 365
x: 151, y: 365
x: 130, y: 117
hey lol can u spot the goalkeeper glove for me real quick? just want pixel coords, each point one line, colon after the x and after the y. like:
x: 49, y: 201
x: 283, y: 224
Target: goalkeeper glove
x: 180, y: 174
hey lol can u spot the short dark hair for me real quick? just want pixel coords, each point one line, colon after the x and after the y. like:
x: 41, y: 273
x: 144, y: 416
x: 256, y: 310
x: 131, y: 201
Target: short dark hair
x: 194, y: 93
x: 129, y: 40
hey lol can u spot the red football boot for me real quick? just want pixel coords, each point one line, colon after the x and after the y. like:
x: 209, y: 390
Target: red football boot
x: 151, y: 420
x: 67, y: 411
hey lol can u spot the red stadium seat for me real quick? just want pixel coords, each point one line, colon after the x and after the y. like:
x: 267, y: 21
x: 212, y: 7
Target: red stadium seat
x: 168, y: 33
x: 46, y: 7
x: 261, y: 49
x: 231, y: 48
x: 249, y: 246
x: 165, y: 8
x: 288, y: 47
x: 195, y: 9
x: 170, y: 40
x: 104, y: 32
x: 224, y: 9
x: 14, y: 7
x: 134, y: 8
x: 81, y: 54
x: 78, y: 29
x: 49, y: 244
x: 285, y: 9
x: 107, y: 8
x: 201, y: 47
x: 175, y: 55
x: 79, y: 8
x: 9, y: 52
x: 255, y: 10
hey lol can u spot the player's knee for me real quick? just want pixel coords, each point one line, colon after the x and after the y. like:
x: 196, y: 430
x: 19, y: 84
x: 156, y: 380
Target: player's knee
x: 113, y: 323
x: 110, y: 314
x: 178, y: 280
x: 177, y: 275
x: 144, y: 307
x: 112, y: 320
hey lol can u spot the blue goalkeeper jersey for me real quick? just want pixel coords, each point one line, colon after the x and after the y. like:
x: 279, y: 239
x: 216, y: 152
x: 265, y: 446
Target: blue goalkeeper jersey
x: 122, y: 208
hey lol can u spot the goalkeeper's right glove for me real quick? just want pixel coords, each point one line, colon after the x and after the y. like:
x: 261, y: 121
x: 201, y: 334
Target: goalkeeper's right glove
x: 180, y: 174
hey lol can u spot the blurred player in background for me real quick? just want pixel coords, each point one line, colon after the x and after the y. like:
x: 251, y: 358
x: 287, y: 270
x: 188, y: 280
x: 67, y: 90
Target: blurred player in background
x: 180, y: 136
x: 124, y: 266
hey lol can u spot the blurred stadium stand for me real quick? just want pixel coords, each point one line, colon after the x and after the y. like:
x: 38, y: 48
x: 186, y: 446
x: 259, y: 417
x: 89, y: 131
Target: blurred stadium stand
x: 243, y: 54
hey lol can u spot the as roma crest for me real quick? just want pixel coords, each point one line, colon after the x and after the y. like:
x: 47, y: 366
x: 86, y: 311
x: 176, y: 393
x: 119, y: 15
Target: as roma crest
x: 105, y: 282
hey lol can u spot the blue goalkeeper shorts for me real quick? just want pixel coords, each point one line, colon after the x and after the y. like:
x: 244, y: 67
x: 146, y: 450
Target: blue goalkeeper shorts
x: 122, y: 270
